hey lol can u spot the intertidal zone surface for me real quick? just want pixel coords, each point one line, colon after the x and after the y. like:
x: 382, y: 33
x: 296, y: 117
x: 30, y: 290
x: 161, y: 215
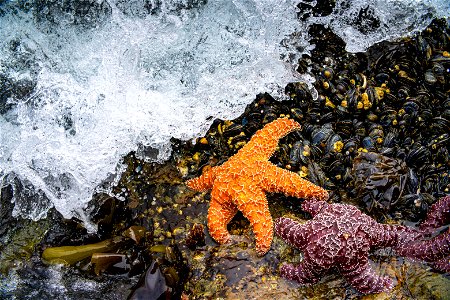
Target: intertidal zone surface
x: 380, y: 121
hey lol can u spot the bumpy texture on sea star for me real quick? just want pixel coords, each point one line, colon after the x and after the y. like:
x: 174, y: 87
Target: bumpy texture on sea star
x: 242, y: 181
x: 341, y: 236
x: 435, y: 250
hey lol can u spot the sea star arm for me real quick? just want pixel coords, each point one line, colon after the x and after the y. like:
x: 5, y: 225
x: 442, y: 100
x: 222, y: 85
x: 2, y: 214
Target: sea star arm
x: 384, y: 235
x: 438, y: 215
x: 219, y: 215
x: 303, y: 273
x: 442, y: 265
x: 312, y: 206
x: 253, y: 204
x: 265, y: 141
x: 218, y: 218
x: 292, y: 232
x: 278, y: 180
x: 363, y: 278
x: 203, y: 182
x: 431, y: 250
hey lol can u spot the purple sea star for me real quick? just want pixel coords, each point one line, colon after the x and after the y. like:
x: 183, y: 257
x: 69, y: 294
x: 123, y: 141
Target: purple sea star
x: 341, y: 236
x: 434, y: 249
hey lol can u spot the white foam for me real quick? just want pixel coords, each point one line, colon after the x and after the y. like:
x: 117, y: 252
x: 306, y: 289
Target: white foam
x: 103, y: 91
x: 390, y: 19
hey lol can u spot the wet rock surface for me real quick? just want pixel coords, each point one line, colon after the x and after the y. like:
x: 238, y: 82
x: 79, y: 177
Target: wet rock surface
x: 374, y: 133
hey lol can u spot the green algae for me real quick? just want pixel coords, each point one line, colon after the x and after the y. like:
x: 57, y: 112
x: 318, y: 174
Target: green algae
x: 428, y: 285
x: 21, y: 243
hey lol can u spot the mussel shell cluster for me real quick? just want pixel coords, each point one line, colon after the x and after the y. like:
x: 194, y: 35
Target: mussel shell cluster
x: 392, y: 101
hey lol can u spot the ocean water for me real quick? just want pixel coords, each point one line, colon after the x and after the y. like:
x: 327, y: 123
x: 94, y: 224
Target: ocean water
x: 83, y: 83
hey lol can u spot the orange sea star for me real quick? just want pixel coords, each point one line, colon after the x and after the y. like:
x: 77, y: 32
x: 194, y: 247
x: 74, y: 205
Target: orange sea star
x: 242, y: 181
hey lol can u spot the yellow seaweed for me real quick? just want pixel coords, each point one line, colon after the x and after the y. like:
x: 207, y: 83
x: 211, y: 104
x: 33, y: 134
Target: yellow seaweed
x: 71, y: 254
x: 103, y: 261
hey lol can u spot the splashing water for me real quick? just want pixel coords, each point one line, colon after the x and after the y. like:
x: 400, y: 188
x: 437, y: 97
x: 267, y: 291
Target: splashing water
x: 363, y: 23
x: 84, y: 85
